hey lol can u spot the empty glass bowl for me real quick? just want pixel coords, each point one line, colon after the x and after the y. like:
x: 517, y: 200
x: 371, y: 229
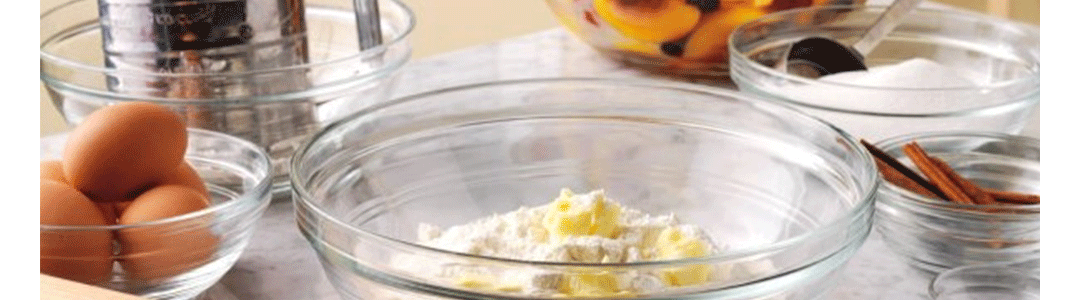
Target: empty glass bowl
x: 789, y: 196
x: 977, y: 72
x: 1013, y: 281
x: 272, y: 95
x: 935, y: 235
x: 200, y: 246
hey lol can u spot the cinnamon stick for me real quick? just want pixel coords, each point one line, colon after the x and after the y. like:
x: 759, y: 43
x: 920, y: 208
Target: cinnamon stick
x: 969, y: 188
x: 1013, y: 197
x: 944, y: 182
x: 935, y: 175
x: 900, y: 175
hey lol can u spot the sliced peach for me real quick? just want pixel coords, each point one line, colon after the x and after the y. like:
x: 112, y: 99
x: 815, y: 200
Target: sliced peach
x: 651, y: 21
x: 709, y: 41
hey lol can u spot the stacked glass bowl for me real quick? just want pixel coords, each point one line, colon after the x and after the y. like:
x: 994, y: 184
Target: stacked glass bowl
x: 274, y: 104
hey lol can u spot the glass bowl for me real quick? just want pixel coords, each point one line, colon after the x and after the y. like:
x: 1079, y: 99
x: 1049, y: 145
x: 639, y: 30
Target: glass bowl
x: 934, y: 235
x: 1014, y: 280
x: 675, y: 37
x: 275, y: 104
x: 1000, y: 58
x: 788, y: 195
x: 237, y: 174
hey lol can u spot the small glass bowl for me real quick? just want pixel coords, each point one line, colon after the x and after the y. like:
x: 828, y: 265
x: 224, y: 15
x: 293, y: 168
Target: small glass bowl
x: 1001, y: 57
x: 789, y: 195
x: 695, y: 51
x: 1013, y: 281
x: 275, y: 104
x: 237, y: 175
x: 935, y: 235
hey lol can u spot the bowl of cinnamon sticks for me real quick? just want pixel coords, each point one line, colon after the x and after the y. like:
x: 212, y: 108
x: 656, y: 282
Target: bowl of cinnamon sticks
x: 950, y: 199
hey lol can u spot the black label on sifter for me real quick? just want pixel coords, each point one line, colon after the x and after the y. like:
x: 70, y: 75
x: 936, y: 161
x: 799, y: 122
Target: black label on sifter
x: 194, y: 25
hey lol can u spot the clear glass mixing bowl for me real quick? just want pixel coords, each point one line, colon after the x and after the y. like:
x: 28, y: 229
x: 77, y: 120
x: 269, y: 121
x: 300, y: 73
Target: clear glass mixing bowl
x: 237, y: 174
x: 999, y: 56
x: 789, y: 195
x: 276, y: 107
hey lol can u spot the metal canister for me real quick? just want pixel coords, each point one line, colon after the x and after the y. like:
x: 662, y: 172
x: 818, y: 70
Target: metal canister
x: 217, y: 56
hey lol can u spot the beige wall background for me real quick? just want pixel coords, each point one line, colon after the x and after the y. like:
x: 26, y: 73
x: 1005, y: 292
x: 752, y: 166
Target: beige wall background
x: 447, y: 25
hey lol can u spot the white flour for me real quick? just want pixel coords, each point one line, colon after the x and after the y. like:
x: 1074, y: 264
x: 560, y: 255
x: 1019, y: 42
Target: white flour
x: 522, y: 235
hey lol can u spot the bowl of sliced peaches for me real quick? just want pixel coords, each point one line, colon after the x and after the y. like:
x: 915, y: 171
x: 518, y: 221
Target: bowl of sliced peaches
x: 673, y: 37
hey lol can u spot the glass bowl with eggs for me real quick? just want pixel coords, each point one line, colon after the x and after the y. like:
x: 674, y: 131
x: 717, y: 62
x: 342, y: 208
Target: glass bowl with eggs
x: 938, y: 70
x: 584, y: 189
x: 133, y: 201
x: 675, y: 37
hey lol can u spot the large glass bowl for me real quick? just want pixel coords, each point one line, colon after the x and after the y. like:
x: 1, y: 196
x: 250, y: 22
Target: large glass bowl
x: 934, y: 235
x: 274, y: 106
x: 201, y: 245
x: 999, y: 56
x: 789, y: 195
x: 674, y: 37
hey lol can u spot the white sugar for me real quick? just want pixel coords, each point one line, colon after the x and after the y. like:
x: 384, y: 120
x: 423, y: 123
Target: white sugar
x: 914, y: 73
x: 882, y: 96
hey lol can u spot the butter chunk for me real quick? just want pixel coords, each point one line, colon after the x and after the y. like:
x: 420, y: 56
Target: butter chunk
x: 582, y: 215
x: 487, y: 283
x: 673, y: 244
x: 603, y: 284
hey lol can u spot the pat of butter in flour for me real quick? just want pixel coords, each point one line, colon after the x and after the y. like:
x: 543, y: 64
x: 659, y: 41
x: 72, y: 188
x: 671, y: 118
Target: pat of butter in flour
x: 577, y: 228
x: 591, y: 214
x: 674, y: 245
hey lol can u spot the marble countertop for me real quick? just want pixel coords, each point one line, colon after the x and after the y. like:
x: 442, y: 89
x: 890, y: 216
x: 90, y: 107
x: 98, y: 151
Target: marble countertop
x: 280, y: 264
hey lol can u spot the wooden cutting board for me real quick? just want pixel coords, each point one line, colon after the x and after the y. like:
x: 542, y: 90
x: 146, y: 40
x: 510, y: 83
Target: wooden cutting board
x: 54, y: 288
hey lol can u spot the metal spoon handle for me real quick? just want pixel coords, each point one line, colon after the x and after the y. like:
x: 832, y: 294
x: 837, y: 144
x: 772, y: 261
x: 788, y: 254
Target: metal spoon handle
x: 367, y: 22
x: 885, y: 24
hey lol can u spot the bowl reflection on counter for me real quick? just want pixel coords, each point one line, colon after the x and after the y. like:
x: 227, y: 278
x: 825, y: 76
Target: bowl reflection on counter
x: 1001, y: 57
x: 237, y: 174
x: 781, y: 189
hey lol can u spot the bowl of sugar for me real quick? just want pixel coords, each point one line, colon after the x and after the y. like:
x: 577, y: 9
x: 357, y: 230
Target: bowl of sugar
x: 938, y: 70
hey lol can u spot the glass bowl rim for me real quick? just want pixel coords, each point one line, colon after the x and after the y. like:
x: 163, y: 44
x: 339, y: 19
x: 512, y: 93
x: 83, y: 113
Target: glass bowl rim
x: 910, y: 198
x: 262, y: 186
x: 398, y: 39
x: 739, y: 58
x: 302, y: 197
x: 1013, y: 267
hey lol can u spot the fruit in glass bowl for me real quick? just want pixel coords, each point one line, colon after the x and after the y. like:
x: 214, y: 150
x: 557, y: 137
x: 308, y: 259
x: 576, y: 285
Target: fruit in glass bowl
x: 671, y: 36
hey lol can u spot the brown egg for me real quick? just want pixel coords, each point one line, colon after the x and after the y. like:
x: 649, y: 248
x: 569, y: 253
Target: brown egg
x: 185, y: 175
x: 109, y: 210
x: 121, y: 149
x: 79, y: 255
x: 52, y: 169
x: 154, y: 252
x: 121, y: 206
